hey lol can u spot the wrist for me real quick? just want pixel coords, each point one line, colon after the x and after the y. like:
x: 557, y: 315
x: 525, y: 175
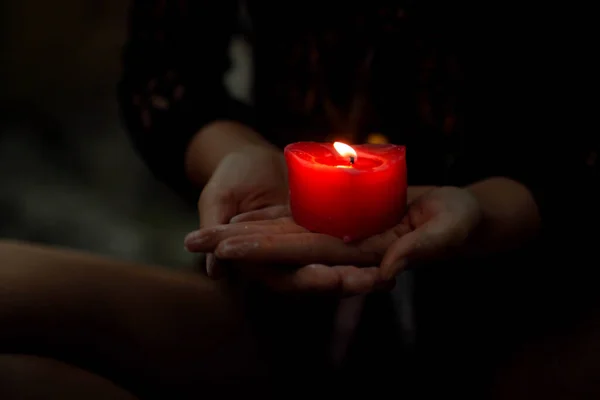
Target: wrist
x: 481, y: 235
x: 509, y: 215
x: 216, y: 140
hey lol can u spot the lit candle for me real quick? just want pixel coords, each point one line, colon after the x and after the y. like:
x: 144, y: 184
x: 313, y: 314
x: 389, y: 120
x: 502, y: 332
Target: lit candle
x: 347, y: 192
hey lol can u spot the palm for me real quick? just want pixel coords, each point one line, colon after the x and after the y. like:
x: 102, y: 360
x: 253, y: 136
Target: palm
x: 438, y: 220
x: 447, y: 211
x: 450, y: 211
x: 243, y: 181
x: 256, y: 179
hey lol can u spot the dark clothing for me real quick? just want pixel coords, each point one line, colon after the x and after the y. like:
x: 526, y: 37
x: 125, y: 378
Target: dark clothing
x: 324, y: 72
x: 397, y: 68
x: 318, y: 73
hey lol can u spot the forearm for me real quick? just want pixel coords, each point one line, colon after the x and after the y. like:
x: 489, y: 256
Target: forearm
x: 215, y: 141
x: 510, y: 216
x: 113, y: 317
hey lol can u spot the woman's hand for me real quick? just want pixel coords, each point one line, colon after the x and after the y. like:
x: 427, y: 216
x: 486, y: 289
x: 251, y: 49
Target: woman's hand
x: 243, y: 181
x: 437, y: 224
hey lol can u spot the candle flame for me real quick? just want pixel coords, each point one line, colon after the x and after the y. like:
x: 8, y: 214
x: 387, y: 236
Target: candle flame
x: 345, y: 151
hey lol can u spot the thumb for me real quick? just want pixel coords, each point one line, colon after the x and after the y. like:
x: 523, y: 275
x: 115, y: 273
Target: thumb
x: 215, y: 208
x: 426, y: 243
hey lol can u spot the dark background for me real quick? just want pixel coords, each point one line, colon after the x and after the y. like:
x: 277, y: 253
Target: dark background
x: 69, y: 175
x: 68, y: 171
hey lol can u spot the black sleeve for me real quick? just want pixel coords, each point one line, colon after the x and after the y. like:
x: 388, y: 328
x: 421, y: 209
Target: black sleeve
x: 528, y: 124
x: 529, y: 121
x: 174, y: 63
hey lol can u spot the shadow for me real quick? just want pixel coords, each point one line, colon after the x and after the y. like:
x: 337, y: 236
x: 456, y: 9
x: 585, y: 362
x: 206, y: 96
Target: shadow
x: 48, y: 139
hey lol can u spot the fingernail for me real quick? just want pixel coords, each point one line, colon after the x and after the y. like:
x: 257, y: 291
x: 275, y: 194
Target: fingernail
x: 237, y: 249
x: 193, y: 239
x: 210, y: 265
x: 191, y: 236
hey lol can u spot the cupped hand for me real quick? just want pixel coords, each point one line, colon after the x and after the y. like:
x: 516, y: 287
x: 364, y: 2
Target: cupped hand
x: 243, y: 181
x: 437, y: 224
x: 287, y: 257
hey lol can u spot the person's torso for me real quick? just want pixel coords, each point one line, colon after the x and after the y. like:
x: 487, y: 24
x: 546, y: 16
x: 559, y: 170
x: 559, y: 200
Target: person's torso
x: 323, y: 73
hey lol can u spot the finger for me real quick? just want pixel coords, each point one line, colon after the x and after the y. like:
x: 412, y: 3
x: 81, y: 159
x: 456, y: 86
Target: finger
x: 215, y: 208
x: 381, y: 242
x: 423, y: 244
x: 295, y: 249
x: 320, y: 279
x: 357, y: 280
x: 207, y: 239
x: 307, y: 251
x: 267, y: 213
x: 210, y: 262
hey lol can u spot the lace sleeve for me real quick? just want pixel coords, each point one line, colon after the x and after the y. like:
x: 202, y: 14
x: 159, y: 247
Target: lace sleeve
x: 174, y: 63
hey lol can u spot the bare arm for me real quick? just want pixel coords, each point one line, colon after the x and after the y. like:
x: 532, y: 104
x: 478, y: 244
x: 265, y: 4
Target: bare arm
x: 146, y: 328
x: 172, y: 96
x: 510, y: 216
x: 215, y: 141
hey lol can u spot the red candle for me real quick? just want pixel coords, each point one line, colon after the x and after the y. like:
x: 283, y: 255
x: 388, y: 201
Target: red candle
x: 349, y: 193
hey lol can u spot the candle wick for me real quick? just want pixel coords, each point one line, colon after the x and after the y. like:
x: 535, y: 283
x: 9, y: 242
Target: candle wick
x: 351, y: 159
